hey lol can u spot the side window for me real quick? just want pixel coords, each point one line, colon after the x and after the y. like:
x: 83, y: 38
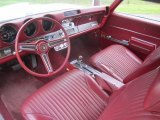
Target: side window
x: 106, y: 2
x: 149, y: 9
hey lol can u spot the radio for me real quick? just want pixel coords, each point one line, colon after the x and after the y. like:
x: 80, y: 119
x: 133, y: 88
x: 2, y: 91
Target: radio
x: 69, y: 26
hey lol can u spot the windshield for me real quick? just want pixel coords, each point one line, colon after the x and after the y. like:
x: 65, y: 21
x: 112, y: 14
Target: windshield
x: 13, y: 9
x: 31, y: 2
x: 75, y: 2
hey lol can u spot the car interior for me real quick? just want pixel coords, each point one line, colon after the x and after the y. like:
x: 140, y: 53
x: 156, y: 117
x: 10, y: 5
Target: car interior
x: 80, y: 64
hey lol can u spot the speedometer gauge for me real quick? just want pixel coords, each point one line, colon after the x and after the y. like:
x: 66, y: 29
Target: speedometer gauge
x: 8, y: 33
x: 30, y: 29
x: 47, y: 25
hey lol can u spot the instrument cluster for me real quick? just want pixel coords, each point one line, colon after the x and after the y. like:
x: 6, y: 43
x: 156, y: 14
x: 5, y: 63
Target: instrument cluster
x: 8, y: 32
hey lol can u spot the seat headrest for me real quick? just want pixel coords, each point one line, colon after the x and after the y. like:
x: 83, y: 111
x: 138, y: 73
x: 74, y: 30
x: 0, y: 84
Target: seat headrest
x: 152, y: 100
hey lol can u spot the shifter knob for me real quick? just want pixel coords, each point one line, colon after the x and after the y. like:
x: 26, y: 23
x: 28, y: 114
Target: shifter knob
x: 80, y: 58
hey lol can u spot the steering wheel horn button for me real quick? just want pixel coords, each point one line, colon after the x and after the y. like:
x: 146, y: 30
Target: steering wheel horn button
x: 42, y: 47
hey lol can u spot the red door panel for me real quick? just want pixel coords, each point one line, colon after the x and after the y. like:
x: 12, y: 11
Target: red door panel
x: 139, y: 34
x: 141, y: 45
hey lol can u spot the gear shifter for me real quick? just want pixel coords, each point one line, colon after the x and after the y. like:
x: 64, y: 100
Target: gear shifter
x: 80, y: 59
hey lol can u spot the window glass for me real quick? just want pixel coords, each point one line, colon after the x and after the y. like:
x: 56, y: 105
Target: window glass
x: 107, y: 2
x: 75, y: 2
x: 23, y: 8
x: 149, y: 9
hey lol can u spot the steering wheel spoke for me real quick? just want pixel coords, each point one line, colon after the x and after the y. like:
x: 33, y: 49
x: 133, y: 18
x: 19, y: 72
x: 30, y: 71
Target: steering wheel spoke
x: 47, y: 62
x: 27, y: 46
x: 54, y: 43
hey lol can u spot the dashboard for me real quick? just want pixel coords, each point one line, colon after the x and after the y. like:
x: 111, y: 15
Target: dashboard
x: 75, y: 22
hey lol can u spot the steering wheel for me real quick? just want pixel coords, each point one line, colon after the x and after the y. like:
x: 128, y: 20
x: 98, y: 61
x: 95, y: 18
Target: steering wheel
x: 41, y: 46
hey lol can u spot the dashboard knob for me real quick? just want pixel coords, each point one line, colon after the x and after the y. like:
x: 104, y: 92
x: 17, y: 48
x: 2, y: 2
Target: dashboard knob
x: 5, y: 36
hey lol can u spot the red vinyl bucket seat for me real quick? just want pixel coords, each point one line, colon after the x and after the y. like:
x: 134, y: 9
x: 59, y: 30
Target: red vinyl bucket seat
x: 122, y: 64
x: 76, y: 96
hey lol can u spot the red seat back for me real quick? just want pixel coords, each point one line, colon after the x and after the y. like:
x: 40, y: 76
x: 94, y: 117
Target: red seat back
x: 152, y: 100
x: 128, y: 102
x: 150, y: 63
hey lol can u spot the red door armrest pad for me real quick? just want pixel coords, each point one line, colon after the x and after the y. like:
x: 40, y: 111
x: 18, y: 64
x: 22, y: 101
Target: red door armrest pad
x: 142, y: 45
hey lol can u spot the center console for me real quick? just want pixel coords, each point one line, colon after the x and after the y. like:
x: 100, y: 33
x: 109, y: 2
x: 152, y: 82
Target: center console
x: 112, y: 82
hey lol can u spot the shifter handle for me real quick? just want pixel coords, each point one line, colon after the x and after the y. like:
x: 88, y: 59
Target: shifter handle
x: 80, y: 58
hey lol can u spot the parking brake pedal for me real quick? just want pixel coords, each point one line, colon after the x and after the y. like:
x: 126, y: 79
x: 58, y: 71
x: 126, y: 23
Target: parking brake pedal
x: 16, y: 67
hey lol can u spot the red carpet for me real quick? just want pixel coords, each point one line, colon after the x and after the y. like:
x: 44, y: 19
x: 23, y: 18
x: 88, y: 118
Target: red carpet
x: 14, y: 88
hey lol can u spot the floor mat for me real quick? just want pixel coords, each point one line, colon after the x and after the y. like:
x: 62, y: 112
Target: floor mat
x: 15, y: 87
x: 4, y: 114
